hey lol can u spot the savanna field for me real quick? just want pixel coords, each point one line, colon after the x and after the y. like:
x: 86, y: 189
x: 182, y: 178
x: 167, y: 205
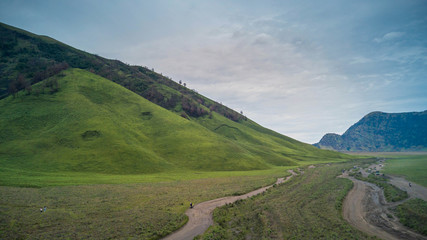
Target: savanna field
x: 306, y: 207
x: 116, y: 151
x: 108, y: 163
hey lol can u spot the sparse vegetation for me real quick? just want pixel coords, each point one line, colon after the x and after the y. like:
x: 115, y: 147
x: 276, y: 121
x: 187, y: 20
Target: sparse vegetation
x: 391, y: 192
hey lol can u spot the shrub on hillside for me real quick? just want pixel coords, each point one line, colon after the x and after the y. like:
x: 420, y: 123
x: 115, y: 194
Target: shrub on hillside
x: 191, y: 108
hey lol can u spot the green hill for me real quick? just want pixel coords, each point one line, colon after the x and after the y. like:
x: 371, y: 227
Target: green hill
x: 92, y: 124
x: 56, y: 120
x: 27, y: 58
x: 382, y: 132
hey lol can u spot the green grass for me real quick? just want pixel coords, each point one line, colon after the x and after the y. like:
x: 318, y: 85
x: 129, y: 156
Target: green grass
x: 113, y: 211
x: 208, y: 141
x: 136, y: 165
x: 412, y: 167
x: 413, y: 214
x: 93, y: 130
x: 26, y: 178
x: 49, y: 132
x: 307, y: 207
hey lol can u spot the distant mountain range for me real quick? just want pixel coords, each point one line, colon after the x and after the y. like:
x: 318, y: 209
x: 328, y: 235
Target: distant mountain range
x: 62, y: 109
x: 381, y: 132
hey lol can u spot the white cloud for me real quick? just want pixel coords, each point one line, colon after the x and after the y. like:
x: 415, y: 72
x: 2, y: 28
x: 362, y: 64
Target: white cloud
x: 360, y: 60
x: 275, y: 82
x: 389, y: 36
x: 284, y: 75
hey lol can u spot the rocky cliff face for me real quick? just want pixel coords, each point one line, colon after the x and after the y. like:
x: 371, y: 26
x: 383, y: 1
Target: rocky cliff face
x: 380, y: 131
x: 330, y: 141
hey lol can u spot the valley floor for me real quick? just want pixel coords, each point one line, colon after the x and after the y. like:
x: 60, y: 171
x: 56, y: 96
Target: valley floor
x: 286, y: 214
x: 308, y: 206
x: 148, y: 210
x: 200, y: 217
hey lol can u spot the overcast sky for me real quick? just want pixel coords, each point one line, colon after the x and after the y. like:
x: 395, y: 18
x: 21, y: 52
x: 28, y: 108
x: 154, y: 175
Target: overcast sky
x: 301, y: 68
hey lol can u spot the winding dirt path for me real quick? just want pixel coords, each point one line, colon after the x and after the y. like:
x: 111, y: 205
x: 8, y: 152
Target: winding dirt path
x: 200, y: 216
x: 366, y: 209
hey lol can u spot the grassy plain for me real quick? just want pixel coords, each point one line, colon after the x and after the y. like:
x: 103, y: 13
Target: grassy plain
x: 115, y: 211
x: 412, y: 167
x: 25, y: 178
x: 306, y: 207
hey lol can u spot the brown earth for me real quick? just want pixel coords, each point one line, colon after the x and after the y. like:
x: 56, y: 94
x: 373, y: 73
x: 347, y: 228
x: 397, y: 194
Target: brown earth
x: 366, y: 209
x: 200, y: 216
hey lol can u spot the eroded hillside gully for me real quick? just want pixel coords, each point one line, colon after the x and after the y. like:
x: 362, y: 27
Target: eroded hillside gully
x: 366, y: 208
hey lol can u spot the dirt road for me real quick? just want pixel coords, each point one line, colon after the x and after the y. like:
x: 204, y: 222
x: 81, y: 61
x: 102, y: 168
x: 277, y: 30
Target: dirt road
x: 200, y: 216
x: 414, y: 191
x: 366, y: 209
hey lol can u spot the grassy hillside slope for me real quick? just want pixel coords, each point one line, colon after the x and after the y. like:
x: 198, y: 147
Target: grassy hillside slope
x: 86, y: 122
x: 90, y: 124
x: 27, y: 58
